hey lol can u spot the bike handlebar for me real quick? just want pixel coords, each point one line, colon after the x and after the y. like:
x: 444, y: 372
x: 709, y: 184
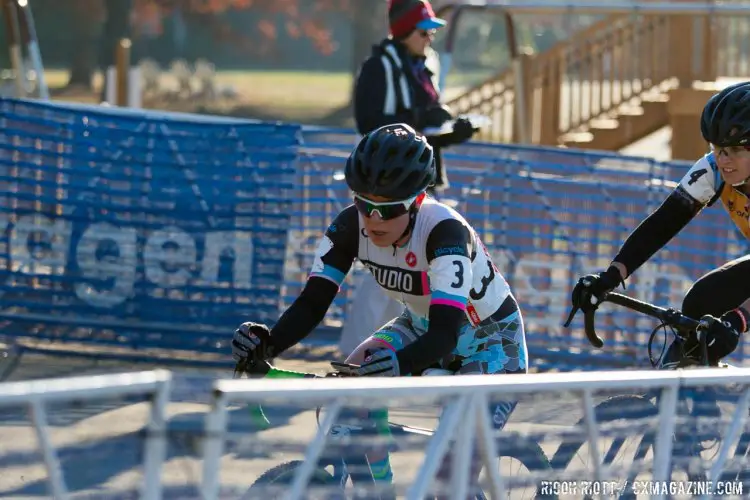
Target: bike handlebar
x: 261, y: 369
x: 670, y: 317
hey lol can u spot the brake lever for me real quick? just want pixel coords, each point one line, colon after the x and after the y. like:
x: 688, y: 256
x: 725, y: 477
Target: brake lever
x: 701, y: 333
x: 576, y: 299
x: 345, y: 369
x: 572, y: 314
x: 240, y: 368
x: 588, y: 318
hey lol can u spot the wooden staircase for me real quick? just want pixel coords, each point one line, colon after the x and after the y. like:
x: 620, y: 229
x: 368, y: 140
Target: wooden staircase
x: 604, y: 88
x: 626, y: 125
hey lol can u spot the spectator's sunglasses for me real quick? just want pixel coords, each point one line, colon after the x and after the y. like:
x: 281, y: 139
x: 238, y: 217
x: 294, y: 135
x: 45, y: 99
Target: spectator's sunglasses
x: 427, y: 33
x: 387, y: 210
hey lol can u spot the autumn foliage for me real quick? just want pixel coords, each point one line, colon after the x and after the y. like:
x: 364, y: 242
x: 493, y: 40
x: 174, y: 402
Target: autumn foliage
x: 303, y: 19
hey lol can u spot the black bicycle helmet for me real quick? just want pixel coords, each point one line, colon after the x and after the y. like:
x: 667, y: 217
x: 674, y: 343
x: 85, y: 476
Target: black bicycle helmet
x: 393, y: 161
x: 726, y: 117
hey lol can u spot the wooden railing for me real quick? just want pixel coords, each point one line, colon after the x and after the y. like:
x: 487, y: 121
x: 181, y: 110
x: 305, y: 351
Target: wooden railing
x: 598, y: 74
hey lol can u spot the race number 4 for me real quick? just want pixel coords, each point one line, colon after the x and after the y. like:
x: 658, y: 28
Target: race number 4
x: 694, y: 176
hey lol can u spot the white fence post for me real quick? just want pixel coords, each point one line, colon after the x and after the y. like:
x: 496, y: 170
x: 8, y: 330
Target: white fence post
x: 35, y: 394
x: 54, y: 474
x: 738, y: 422
x: 216, y: 423
x: 435, y: 452
x: 156, y: 443
x: 589, y: 416
x: 489, y: 448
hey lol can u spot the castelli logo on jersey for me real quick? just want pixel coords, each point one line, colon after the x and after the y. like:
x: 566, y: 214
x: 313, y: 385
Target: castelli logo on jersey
x: 411, y: 259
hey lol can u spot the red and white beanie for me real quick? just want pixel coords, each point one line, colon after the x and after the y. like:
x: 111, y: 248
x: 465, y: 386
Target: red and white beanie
x: 404, y: 16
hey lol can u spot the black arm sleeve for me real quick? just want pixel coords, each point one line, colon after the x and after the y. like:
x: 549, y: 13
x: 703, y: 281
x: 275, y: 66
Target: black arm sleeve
x: 658, y: 229
x: 305, y: 313
x: 441, y: 338
x: 369, y: 99
x: 333, y: 260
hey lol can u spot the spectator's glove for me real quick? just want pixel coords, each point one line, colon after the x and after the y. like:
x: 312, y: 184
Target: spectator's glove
x: 723, y: 334
x: 463, y: 130
x: 595, y: 285
x: 431, y: 116
x: 252, y: 341
x: 382, y: 363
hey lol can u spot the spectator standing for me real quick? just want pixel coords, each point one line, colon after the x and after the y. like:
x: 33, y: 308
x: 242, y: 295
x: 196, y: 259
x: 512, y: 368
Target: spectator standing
x: 398, y: 83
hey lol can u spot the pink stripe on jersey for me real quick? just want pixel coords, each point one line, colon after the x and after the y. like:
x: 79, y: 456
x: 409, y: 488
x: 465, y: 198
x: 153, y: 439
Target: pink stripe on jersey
x: 449, y: 302
x: 425, y: 283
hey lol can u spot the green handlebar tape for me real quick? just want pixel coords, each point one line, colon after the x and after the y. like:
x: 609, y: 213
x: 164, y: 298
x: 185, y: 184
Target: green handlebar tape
x: 279, y: 373
x: 256, y: 412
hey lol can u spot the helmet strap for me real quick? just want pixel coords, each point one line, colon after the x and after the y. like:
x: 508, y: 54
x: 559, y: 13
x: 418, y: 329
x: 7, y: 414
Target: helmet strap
x: 413, y: 209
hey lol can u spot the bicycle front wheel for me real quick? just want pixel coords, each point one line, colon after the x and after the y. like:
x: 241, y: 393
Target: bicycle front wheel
x: 619, y: 450
x: 275, y: 482
x: 518, y: 452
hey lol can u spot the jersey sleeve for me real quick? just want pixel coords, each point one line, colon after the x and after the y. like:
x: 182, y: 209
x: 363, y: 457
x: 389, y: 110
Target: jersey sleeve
x: 337, y: 248
x: 701, y: 183
x: 449, y: 249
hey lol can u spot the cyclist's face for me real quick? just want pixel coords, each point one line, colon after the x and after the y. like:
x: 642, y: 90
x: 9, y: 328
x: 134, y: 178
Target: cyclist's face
x: 383, y: 233
x: 733, y: 162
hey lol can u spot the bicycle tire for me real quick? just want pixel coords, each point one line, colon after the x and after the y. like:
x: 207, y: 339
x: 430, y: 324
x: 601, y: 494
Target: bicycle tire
x: 283, y: 474
x: 527, y: 451
x: 613, y: 408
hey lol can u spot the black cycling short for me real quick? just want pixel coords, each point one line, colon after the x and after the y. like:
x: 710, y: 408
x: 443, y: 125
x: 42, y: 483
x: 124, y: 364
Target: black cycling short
x: 715, y: 293
x: 719, y: 291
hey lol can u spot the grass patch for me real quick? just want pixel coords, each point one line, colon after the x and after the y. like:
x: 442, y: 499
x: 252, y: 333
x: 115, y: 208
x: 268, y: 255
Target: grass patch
x: 292, y: 96
x: 307, y: 97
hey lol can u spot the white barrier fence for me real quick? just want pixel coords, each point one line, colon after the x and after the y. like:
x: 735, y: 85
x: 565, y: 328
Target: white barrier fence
x: 648, y: 408
x: 36, y: 395
x: 465, y: 399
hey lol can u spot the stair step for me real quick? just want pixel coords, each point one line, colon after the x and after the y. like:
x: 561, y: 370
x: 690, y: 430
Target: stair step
x: 573, y: 138
x: 655, y: 97
x: 604, y: 123
x: 630, y: 111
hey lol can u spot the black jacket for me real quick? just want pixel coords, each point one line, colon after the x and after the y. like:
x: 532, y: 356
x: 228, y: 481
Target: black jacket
x: 388, y: 91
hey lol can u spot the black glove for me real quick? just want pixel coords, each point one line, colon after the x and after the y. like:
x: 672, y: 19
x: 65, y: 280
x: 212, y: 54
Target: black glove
x: 462, y: 131
x: 381, y: 363
x: 723, y: 334
x: 595, y: 285
x: 252, y: 341
x: 434, y: 115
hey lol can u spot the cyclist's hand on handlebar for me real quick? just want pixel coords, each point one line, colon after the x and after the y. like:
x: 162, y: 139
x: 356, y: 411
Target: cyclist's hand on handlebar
x: 721, y: 337
x: 595, y: 285
x: 251, y: 341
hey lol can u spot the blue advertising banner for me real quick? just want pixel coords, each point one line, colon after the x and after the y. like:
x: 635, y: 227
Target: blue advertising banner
x: 140, y: 229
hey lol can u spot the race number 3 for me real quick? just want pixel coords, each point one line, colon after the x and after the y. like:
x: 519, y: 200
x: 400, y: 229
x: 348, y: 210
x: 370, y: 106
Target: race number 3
x: 459, y: 274
x: 486, y: 280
